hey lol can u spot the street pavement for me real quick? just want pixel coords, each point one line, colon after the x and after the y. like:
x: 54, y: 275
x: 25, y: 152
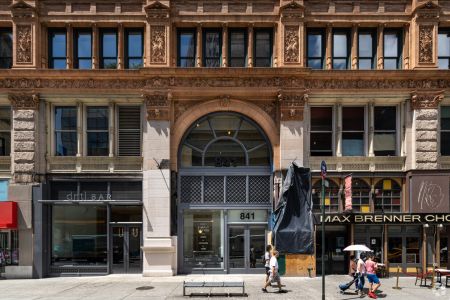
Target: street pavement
x: 136, y: 287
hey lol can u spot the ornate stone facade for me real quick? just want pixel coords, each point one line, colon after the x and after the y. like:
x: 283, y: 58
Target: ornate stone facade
x: 158, y: 44
x: 291, y: 44
x: 426, y: 43
x: 158, y: 105
x: 425, y: 100
x: 24, y: 44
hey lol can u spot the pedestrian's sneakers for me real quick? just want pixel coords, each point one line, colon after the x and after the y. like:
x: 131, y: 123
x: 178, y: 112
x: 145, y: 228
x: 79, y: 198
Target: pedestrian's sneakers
x: 264, y: 290
x: 372, y: 295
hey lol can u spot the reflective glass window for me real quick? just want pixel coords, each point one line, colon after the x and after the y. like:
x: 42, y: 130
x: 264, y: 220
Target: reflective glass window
x: 238, y: 48
x: 444, y: 49
x: 353, y: 124
x: 65, y: 130
x: 366, y: 49
x: 321, y: 133
x: 97, y: 131
x: 108, y: 49
x: 57, y: 54
x: 445, y: 130
x: 341, y: 48
x: 385, y: 137
x: 212, y: 48
x: 5, y: 130
x: 186, y: 48
x: 360, y: 196
x: 316, y: 49
x: 82, y: 49
x: 263, y: 47
x: 387, y: 197
x: 5, y: 48
x: 331, y: 197
x: 392, y: 49
x: 134, y: 48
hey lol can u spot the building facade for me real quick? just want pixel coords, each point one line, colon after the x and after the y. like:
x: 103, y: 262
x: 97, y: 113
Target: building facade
x: 152, y: 137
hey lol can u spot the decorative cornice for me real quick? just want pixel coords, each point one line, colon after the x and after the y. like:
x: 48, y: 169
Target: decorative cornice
x: 157, y: 11
x: 22, y: 10
x: 426, y: 99
x: 292, y: 104
x: 24, y: 101
x: 158, y: 105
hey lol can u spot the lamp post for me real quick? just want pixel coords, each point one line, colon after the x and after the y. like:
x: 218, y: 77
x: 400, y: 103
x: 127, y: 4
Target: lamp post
x: 323, y: 173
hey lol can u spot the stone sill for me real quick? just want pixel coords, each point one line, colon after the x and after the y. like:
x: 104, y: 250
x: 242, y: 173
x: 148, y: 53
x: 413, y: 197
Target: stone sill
x: 94, y: 164
x: 358, y: 163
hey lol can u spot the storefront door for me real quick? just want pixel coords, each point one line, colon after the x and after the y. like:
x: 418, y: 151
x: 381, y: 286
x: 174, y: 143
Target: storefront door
x: 336, y: 260
x: 246, y: 244
x: 126, y: 246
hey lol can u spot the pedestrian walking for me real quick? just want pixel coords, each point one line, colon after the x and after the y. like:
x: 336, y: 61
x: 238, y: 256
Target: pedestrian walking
x: 361, y: 272
x: 374, y: 282
x: 274, y: 275
x: 352, y: 271
x: 267, y: 261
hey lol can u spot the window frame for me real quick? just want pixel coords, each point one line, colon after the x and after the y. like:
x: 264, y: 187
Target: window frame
x: 7, y: 131
x: 334, y: 197
x: 255, y: 58
x: 387, y: 208
x: 86, y: 131
x: 311, y: 131
x: 441, y: 131
x: 102, y: 32
x: 373, y: 35
x: 76, y: 57
x: 321, y: 32
x: 399, y: 34
x: 54, y: 131
x: 230, y: 58
x: 127, y: 57
x: 51, y: 58
x: 181, y: 31
x: 7, y: 30
x: 365, y: 138
x: 360, y: 196
x: 205, y: 31
x: 395, y: 130
x: 345, y: 31
x: 445, y: 31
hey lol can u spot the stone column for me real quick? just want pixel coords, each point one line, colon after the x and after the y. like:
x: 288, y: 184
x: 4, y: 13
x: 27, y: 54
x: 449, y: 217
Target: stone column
x: 69, y: 46
x: 95, y: 46
x: 338, y: 137
x: 224, y: 45
x: 371, y: 128
x: 380, y: 47
x: 250, y: 46
x: 354, y: 50
x: 120, y: 47
x: 159, y: 246
x: 112, y: 130
x: 406, y: 46
x: 329, y: 46
x: 199, y: 46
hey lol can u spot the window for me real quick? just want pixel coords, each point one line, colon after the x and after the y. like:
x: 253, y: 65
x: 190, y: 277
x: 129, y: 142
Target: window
x: 341, y: 47
x: 9, y: 247
x: 263, y: 48
x: 238, y: 48
x: 445, y: 130
x: 395, y: 250
x: 444, y: 49
x: 186, y: 48
x: 316, y: 49
x: 360, y: 196
x: 5, y: 48
x: 212, y: 48
x: 366, y: 49
x: 331, y: 197
x: 57, y: 58
x: 353, y: 125
x: 321, y: 136
x: 5, y: 131
x: 108, y: 49
x: 443, y: 247
x: 392, y: 49
x: 384, y: 138
x: 129, y: 126
x: 413, y: 250
x: 65, y: 131
x: 82, y: 49
x: 134, y: 48
x: 97, y: 131
x: 387, y: 196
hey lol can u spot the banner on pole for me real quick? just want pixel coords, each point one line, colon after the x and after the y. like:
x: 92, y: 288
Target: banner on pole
x: 348, y: 192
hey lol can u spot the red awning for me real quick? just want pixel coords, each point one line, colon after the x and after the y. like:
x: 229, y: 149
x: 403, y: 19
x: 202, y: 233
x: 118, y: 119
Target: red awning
x: 8, y: 215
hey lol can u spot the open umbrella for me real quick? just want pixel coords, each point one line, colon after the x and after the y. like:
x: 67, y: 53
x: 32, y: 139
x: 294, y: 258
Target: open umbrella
x: 358, y: 248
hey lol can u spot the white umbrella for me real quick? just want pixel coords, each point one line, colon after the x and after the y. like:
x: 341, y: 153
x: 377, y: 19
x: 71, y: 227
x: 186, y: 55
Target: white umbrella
x: 358, y: 248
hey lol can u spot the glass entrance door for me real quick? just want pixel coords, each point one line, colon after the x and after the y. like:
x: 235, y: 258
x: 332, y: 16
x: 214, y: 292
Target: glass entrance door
x: 246, y: 244
x: 126, y: 249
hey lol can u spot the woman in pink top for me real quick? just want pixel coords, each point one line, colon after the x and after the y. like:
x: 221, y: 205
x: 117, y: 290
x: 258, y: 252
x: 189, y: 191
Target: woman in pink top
x: 372, y: 277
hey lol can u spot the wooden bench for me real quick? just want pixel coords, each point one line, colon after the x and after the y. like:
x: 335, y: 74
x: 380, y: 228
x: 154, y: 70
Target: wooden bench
x: 214, y: 284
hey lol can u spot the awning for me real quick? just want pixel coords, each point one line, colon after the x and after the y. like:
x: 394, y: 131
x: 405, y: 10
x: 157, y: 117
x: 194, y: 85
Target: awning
x: 8, y: 215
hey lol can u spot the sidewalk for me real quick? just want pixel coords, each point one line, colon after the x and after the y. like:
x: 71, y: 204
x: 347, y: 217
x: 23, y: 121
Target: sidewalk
x: 136, y: 287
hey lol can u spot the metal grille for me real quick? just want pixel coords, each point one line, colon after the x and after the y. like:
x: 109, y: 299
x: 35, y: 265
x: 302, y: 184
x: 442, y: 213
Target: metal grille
x: 213, y: 189
x: 259, y: 189
x: 191, y: 189
x: 236, y: 189
x: 129, y: 137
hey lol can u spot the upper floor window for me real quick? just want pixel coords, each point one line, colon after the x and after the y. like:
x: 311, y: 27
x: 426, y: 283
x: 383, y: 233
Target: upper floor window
x: 316, y: 48
x: 392, y: 49
x: 65, y: 130
x: 237, y: 55
x: 366, y: 49
x: 5, y: 48
x: 445, y: 130
x: 360, y: 196
x: 212, y: 47
x: 108, y: 49
x: 186, y: 48
x: 341, y: 47
x: 57, y: 49
x: 385, y: 125
x: 321, y: 136
x: 134, y: 48
x: 387, y: 196
x: 82, y: 49
x: 444, y: 49
x: 97, y: 130
x: 353, y: 131
x: 331, y: 197
x: 263, y: 47
x: 5, y: 130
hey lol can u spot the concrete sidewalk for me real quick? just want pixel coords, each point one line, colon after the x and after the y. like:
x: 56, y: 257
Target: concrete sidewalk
x: 136, y: 287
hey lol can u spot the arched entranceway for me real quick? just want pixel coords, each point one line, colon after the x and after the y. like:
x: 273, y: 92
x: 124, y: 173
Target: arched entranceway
x: 224, y: 195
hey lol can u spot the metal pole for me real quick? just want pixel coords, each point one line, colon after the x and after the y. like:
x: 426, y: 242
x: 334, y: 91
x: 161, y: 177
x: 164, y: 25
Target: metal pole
x: 323, y: 237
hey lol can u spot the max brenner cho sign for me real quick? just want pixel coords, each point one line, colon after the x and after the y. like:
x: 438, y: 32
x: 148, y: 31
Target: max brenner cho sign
x: 384, y: 218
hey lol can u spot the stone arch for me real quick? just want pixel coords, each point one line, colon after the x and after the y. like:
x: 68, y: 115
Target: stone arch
x: 252, y: 111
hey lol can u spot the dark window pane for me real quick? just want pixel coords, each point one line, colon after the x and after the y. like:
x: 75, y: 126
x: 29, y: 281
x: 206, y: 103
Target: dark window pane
x: 391, y: 44
x: 315, y: 63
x: 98, y: 143
x: 134, y: 43
x: 135, y: 63
x: 187, y: 44
x: 445, y: 117
x: 187, y: 62
x: 315, y: 45
x: 321, y: 119
x: 109, y: 44
x: 94, y: 190
x: 5, y: 143
x: 66, y: 143
x: 384, y: 144
x: 97, y: 118
x: 445, y: 143
x: 365, y: 45
x: 66, y: 118
x: 5, y: 49
x: 237, y: 62
x: 263, y: 48
x: 321, y: 144
x: 212, y: 44
x: 5, y: 118
x: 390, y: 64
x: 339, y: 64
x: 395, y: 250
x: 259, y: 157
x: 131, y: 190
x: 353, y: 118
x: 353, y: 143
x: 365, y: 64
x: 263, y: 62
x: 340, y: 45
x: 5, y: 63
x: 225, y: 153
x: 58, y: 44
x: 444, y: 44
x: 109, y: 63
x: 237, y: 44
x: 385, y: 117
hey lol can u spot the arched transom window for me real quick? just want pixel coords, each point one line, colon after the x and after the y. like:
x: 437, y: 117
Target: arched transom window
x: 224, y: 140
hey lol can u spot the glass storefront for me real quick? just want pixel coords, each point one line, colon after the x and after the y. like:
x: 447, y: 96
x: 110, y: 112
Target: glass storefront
x: 404, y: 246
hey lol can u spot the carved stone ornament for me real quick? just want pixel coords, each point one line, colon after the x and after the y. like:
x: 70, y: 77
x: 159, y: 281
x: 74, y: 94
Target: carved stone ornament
x: 424, y: 100
x: 23, y: 44
x: 158, y: 105
x: 428, y: 10
x: 291, y: 11
x: 291, y: 44
x: 292, y: 105
x: 158, y: 44
x: 24, y: 101
x: 426, y: 44
x: 224, y: 101
x: 22, y: 10
x: 157, y: 11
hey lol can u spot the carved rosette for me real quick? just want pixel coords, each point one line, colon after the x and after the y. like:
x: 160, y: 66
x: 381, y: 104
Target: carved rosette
x: 426, y: 43
x: 292, y: 105
x: 24, y: 101
x: 23, y: 44
x: 291, y: 44
x: 424, y: 100
x: 158, y: 44
x: 158, y: 105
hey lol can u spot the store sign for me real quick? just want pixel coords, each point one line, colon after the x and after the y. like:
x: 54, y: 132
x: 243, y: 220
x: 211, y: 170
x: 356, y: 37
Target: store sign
x: 429, y: 194
x: 247, y: 216
x: 384, y: 218
x: 87, y: 196
x: 4, y: 190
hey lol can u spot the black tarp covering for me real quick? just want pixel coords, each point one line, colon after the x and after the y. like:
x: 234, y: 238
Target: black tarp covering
x: 293, y: 227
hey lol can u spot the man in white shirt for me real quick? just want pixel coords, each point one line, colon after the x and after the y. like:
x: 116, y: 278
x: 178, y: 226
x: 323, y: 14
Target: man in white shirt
x: 274, y: 275
x: 267, y: 262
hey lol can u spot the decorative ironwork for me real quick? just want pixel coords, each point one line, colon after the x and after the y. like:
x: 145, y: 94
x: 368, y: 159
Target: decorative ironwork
x: 236, y: 189
x: 191, y: 189
x: 213, y: 189
x: 259, y: 189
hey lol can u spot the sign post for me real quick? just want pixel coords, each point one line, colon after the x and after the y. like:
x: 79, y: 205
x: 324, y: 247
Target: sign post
x: 323, y: 173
